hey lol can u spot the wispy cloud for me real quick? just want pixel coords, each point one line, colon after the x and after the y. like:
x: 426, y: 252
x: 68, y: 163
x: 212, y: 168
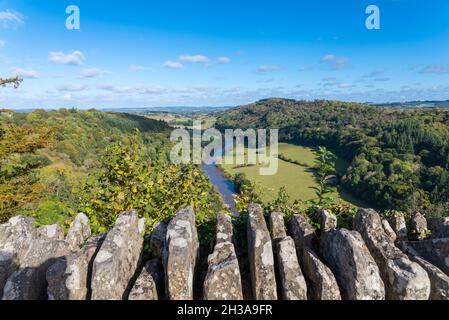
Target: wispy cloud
x: 435, y: 69
x: 265, y: 68
x: 116, y: 89
x: 335, y: 62
x: 382, y: 79
x: 194, y: 58
x: 11, y: 19
x: 373, y: 74
x: 224, y: 60
x: 2, y: 44
x: 26, y: 74
x: 173, y: 65
x: 332, y: 82
x: 74, y: 58
x: 93, y: 73
x: 72, y: 87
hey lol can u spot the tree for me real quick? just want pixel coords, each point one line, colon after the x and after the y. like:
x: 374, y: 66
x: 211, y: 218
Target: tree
x: 14, y: 81
x: 325, y: 172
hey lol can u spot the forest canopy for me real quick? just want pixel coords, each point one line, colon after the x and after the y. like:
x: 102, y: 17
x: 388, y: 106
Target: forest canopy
x: 54, y: 164
x: 399, y: 158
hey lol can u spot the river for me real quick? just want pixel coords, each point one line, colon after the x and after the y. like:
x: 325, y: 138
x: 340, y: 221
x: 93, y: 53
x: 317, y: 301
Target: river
x: 217, y: 177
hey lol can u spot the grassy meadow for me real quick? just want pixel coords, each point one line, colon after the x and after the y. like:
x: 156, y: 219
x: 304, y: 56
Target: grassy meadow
x: 297, y: 178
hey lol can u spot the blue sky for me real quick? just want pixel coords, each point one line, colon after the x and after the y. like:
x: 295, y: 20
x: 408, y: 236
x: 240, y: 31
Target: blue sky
x: 219, y: 53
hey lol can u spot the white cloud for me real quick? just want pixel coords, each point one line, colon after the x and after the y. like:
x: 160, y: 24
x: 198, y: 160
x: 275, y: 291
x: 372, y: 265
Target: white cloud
x: 195, y: 58
x: 115, y: 89
x: 435, y: 69
x: 74, y: 58
x: 373, y: 74
x: 224, y: 60
x: 93, y: 73
x: 173, y: 65
x: 22, y: 73
x: 71, y: 88
x: 268, y: 68
x: 11, y: 19
x: 335, y: 62
x: 382, y: 79
x: 2, y: 44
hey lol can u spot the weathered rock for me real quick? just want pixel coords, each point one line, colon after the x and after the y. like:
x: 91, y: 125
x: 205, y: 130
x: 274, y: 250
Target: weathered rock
x: 302, y: 233
x: 147, y: 285
x: 293, y: 285
x: 418, y: 225
x: 439, y: 227
x: 397, y: 223
x: 389, y: 231
x: 181, y: 255
x: 321, y: 283
x: 69, y: 277
x: 435, y: 251
x: 223, y: 280
x: 52, y: 232
x: 350, y: 260
x: 260, y: 253
x: 79, y: 231
x: 29, y: 281
x: 224, y: 228
x: 16, y: 237
x: 277, y: 226
x: 327, y: 220
x: 439, y: 282
x: 117, y: 260
x: 403, y: 278
x: 157, y: 238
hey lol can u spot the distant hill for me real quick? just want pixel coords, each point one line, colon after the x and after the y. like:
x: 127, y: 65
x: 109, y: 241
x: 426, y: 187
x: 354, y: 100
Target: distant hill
x: 415, y: 104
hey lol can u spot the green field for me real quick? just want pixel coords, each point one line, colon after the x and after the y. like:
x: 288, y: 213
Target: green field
x: 298, y: 179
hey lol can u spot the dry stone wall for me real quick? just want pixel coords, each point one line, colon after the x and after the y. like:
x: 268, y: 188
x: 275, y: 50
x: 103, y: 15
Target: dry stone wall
x: 375, y: 259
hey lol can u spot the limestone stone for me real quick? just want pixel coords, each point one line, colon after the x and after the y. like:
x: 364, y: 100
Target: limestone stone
x: 327, y: 220
x: 321, y: 283
x: 16, y: 237
x: 51, y: 232
x: 79, y: 231
x: 438, y: 280
x: 29, y: 281
x: 277, y: 226
x: 223, y: 280
x: 389, y: 231
x: 116, y: 262
x: 261, y: 257
x: 293, y: 285
x: 181, y: 255
x: 435, y: 251
x: 403, y: 279
x: 157, y: 238
x: 69, y: 277
x: 397, y: 223
x: 302, y: 233
x: 224, y: 228
x: 439, y: 227
x: 418, y: 225
x: 147, y: 285
x: 350, y: 260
